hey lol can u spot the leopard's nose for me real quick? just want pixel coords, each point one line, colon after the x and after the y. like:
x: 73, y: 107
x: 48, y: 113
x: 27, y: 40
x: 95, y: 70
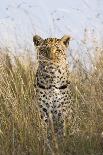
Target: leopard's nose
x: 53, y: 52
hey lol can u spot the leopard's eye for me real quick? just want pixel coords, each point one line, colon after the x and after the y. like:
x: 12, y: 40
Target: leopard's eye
x: 47, y: 50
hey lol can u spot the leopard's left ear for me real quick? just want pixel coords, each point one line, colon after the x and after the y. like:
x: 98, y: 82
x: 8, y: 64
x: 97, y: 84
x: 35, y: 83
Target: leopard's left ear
x: 65, y: 39
x: 37, y: 40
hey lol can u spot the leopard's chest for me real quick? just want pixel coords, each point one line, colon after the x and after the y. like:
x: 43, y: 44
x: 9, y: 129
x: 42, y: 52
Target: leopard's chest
x: 52, y: 89
x: 51, y: 75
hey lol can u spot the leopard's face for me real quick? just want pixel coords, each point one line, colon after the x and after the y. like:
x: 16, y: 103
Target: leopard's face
x: 51, y: 49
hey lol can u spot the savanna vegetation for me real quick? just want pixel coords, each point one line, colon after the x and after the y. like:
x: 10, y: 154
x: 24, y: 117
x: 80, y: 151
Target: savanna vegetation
x: 21, y: 129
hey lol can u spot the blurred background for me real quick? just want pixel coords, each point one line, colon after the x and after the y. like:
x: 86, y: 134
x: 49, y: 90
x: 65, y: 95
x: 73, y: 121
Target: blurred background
x: 20, y: 19
x: 82, y: 19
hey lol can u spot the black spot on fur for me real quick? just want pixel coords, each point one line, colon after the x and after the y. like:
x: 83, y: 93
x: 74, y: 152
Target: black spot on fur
x: 44, y: 109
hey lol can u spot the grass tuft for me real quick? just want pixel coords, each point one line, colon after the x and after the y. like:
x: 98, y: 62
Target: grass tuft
x: 21, y: 129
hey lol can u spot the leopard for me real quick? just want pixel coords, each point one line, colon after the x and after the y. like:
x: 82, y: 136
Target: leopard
x: 53, y: 89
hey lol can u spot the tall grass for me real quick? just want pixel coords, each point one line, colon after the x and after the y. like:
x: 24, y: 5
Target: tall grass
x: 21, y: 129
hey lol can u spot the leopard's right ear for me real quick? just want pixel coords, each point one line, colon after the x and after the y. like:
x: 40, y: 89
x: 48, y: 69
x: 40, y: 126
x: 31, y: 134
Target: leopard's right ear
x: 65, y: 39
x: 37, y: 40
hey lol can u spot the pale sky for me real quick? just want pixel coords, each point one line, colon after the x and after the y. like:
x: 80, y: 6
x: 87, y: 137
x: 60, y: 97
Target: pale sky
x: 20, y: 19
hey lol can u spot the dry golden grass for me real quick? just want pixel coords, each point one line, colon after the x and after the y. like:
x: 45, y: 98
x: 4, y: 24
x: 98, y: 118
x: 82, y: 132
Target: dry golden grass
x: 21, y: 129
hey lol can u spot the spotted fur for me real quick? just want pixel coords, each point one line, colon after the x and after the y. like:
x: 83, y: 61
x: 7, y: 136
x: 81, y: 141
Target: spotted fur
x: 52, y: 86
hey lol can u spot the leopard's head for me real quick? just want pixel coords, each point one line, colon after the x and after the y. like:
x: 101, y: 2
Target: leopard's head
x: 52, y: 49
